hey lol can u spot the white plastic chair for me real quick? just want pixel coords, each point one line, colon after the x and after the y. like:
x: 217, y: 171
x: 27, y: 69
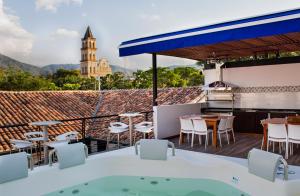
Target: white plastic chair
x: 222, y: 129
x: 229, y: 126
x: 21, y: 145
x: 64, y: 138
x: 293, y: 136
x: 278, y: 133
x: 116, y: 128
x: 200, y: 128
x: 186, y: 127
x: 262, y: 141
x: 143, y: 127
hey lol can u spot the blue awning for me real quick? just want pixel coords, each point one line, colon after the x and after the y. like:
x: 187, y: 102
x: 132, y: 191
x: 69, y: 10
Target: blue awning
x: 244, y: 37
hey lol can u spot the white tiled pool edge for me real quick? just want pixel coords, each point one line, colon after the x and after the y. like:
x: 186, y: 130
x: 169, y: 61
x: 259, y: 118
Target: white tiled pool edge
x: 186, y: 164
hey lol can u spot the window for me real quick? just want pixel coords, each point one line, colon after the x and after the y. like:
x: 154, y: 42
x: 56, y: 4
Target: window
x: 94, y: 70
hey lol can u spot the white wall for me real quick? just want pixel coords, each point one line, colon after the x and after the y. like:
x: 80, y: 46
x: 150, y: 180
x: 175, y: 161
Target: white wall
x: 261, y: 76
x: 166, y: 118
x: 277, y: 100
x: 270, y: 75
x: 211, y: 75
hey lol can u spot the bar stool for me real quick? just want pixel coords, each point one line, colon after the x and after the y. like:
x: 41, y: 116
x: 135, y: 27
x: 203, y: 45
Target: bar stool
x: 143, y: 127
x: 37, y: 138
x: 21, y: 145
x: 117, y: 128
x: 64, y: 138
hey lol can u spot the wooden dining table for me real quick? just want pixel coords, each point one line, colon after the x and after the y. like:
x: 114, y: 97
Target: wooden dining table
x: 265, y: 123
x: 211, y: 121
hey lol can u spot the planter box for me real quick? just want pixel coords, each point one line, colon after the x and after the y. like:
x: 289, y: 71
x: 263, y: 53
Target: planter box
x: 95, y: 145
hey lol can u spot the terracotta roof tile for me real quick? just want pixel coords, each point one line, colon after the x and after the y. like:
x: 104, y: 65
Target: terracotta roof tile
x: 25, y: 107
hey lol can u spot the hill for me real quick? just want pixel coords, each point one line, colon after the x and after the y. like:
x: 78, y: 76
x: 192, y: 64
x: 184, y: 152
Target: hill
x: 50, y: 69
x: 117, y: 68
x: 6, y: 62
x: 193, y: 66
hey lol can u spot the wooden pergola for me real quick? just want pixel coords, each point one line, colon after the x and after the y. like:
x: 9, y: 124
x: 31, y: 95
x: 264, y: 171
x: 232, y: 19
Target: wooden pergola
x: 270, y: 33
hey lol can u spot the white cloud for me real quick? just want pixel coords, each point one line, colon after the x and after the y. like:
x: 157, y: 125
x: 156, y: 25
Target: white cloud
x: 65, y: 33
x: 52, y: 5
x: 15, y: 40
x: 150, y: 17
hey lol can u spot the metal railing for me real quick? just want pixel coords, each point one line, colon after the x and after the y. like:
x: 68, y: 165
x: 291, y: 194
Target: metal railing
x: 92, y: 126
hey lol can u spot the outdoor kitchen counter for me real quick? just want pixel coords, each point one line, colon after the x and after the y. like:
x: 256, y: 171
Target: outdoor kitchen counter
x: 248, y: 120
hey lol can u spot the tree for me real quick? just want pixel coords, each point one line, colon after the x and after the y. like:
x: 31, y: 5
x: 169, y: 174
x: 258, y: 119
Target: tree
x: 68, y: 86
x: 142, y: 79
x: 179, y: 77
x: 62, y: 76
x: 116, y: 80
x: 12, y: 80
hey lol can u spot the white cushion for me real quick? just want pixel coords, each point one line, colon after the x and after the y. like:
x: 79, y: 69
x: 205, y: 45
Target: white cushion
x: 13, y: 167
x: 70, y: 155
x: 263, y: 164
x: 153, y: 149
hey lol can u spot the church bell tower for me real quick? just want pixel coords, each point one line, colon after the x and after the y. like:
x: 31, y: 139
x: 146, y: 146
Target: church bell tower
x: 88, y: 63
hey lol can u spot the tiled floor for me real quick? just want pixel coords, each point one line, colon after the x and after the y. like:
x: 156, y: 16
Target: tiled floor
x: 244, y: 143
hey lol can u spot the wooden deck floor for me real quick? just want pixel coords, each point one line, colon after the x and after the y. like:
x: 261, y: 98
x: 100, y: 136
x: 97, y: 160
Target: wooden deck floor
x: 244, y: 143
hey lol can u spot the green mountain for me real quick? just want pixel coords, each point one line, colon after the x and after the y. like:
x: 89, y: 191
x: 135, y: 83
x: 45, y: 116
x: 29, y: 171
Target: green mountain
x: 193, y: 66
x: 50, y: 69
x: 6, y: 62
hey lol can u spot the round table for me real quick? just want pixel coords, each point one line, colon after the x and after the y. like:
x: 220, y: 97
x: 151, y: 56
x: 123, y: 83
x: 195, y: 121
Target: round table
x: 130, y: 115
x: 44, y: 126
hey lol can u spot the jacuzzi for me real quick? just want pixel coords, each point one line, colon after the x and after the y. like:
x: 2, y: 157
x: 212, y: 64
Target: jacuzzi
x: 124, y: 162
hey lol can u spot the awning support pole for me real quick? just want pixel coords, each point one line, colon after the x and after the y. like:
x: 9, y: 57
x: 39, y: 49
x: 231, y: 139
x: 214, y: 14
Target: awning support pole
x: 154, y: 78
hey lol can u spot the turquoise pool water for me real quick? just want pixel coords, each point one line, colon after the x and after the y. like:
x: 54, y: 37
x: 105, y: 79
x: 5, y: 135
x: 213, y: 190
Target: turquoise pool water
x: 150, y: 186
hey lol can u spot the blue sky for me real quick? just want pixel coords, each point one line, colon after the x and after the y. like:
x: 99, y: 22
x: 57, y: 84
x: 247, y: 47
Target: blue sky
x: 43, y: 32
